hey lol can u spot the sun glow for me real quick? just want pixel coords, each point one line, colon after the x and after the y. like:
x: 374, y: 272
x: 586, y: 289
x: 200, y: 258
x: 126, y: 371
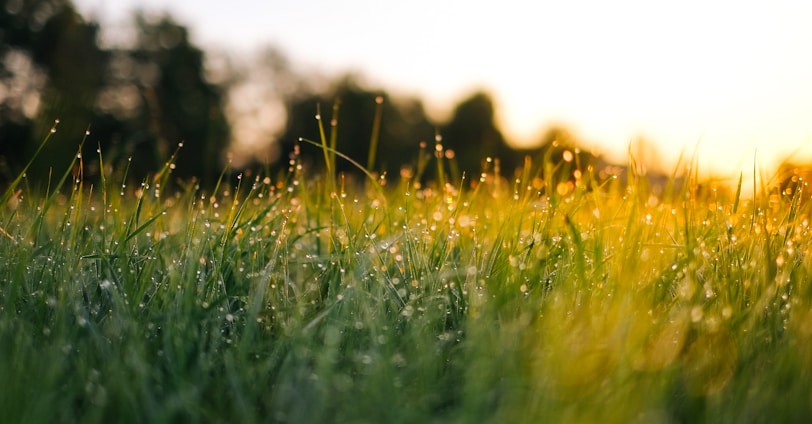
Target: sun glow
x: 725, y: 80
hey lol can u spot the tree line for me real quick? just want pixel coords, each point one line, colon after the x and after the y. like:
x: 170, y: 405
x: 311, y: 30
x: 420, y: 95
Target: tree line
x: 139, y: 102
x: 136, y: 102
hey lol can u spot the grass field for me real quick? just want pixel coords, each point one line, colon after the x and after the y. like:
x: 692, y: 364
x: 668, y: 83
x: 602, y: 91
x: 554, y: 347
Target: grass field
x: 313, y: 299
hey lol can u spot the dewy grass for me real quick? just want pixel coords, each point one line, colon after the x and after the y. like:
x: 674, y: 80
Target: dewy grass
x: 312, y: 300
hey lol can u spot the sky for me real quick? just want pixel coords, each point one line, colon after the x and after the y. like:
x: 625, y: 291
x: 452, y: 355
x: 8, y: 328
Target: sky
x: 729, y: 81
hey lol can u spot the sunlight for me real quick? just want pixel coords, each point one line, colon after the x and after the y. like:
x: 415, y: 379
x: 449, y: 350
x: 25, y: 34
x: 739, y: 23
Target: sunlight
x: 731, y: 76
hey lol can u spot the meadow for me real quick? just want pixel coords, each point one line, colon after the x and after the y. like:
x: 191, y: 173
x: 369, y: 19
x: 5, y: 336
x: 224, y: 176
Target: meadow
x: 316, y: 297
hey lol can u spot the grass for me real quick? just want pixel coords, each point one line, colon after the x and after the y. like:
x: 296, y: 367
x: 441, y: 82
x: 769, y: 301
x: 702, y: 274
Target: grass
x: 313, y: 299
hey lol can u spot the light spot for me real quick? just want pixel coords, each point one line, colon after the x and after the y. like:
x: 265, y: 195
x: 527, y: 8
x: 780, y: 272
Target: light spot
x: 568, y: 156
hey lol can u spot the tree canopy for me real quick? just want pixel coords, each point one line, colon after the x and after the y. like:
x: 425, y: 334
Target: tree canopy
x: 142, y: 100
x: 139, y: 102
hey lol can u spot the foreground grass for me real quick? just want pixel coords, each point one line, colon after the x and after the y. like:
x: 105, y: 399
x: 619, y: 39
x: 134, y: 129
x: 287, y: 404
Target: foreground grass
x: 294, y: 301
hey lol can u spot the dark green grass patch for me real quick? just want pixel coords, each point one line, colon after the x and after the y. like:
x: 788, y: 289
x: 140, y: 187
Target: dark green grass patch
x: 314, y: 300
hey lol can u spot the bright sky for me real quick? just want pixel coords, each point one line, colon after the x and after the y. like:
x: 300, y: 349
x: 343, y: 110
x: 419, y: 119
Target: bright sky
x: 734, y: 77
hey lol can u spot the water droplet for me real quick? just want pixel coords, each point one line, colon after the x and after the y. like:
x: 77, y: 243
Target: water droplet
x: 568, y: 156
x: 696, y: 313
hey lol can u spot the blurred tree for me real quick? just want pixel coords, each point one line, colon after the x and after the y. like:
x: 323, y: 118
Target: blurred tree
x: 51, y: 67
x: 20, y: 82
x: 140, y: 101
x: 561, y: 153
x: 403, y: 126
x: 175, y: 102
x: 558, y: 140
x: 473, y: 135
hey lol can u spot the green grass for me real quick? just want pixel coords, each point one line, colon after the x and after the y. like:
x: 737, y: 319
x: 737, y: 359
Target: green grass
x: 317, y: 299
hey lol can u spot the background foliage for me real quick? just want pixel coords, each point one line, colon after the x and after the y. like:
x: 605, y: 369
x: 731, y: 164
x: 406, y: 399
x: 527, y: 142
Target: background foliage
x: 142, y: 98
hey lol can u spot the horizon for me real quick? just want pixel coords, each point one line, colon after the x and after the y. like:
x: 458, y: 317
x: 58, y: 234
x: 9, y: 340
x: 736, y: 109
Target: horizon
x: 726, y: 80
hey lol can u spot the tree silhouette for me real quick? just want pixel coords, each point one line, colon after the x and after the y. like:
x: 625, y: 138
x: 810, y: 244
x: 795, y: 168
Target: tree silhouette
x: 139, y: 101
x: 52, y: 68
x: 473, y: 135
x: 403, y: 125
x: 560, y: 158
x: 177, y: 103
